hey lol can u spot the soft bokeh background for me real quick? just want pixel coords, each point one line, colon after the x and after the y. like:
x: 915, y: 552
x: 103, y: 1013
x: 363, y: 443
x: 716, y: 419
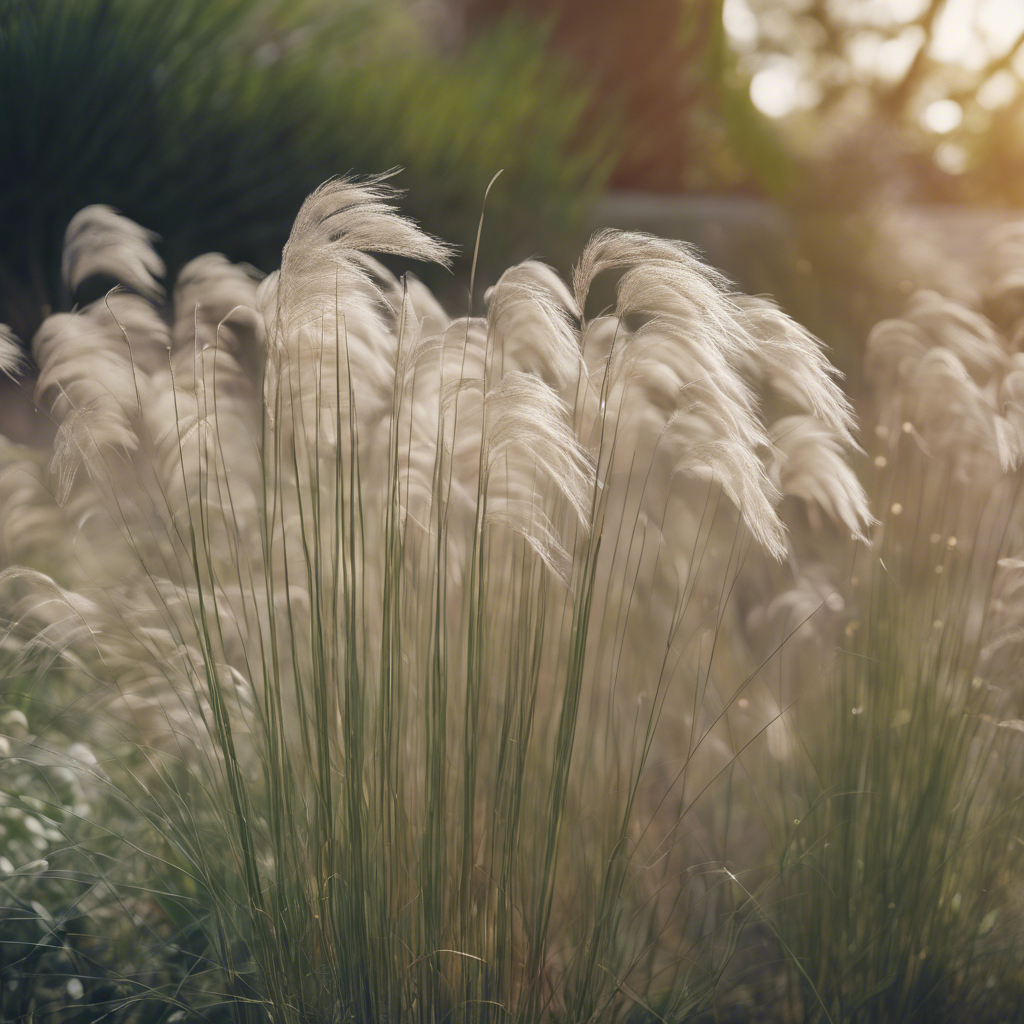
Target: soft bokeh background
x: 836, y: 154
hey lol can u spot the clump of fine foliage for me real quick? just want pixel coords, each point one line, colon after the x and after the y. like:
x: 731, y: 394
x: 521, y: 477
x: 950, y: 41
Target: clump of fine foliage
x: 375, y: 663
x: 407, y: 638
x: 901, y: 868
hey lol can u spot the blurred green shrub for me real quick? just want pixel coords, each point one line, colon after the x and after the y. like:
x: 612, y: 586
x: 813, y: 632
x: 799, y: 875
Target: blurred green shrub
x: 211, y: 121
x: 502, y: 103
x: 686, y: 121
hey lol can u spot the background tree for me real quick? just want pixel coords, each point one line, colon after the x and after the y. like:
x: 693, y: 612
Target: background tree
x: 920, y: 97
x: 666, y: 100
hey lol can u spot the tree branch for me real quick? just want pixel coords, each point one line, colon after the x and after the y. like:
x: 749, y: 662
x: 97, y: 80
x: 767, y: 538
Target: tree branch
x: 894, y: 101
x: 1003, y: 63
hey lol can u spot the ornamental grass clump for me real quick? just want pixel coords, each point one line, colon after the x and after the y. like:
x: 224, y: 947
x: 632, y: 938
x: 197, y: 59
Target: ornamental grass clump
x: 410, y: 637
x: 901, y: 866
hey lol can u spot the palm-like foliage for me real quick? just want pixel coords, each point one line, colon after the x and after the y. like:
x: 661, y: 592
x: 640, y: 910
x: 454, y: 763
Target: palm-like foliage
x: 210, y: 122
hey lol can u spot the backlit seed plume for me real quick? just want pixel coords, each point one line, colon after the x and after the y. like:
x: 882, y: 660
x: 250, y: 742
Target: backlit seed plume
x: 10, y: 351
x: 87, y: 369
x: 99, y: 240
x: 684, y: 387
x: 948, y: 390
x: 808, y: 462
x: 949, y: 373
x: 213, y: 306
x: 1004, y: 287
x: 790, y: 361
x: 341, y: 220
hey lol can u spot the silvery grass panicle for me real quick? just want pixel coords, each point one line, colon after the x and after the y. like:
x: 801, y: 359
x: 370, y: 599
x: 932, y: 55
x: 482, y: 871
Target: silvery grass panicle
x: 430, y: 616
x: 949, y: 386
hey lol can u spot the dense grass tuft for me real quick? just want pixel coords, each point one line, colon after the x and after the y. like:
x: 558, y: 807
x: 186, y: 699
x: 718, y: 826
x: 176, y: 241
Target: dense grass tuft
x: 426, y: 662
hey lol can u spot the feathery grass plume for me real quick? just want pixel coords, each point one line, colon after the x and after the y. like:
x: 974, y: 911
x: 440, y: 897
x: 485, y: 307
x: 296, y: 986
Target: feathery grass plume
x: 808, y: 462
x: 721, y: 349
x: 900, y: 868
x: 87, y: 373
x: 422, y: 625
x: 792, y: 364
x: 532, y: 310
x: 306, y: 330
x: 944, y: 381
x: 29, y: 521
x: 99, y: 240
x: 684, y: 368
x: 1003, y: 293
x: 213, y: 308
x: 10, y: 351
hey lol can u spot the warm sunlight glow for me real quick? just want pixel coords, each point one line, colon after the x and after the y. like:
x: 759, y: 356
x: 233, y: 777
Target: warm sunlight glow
x: 999, y: 90
x: 972, y: 32
x: 779, y: 89
x: 894, y: 56
x: 740, y: 24
x: 942, y: 116
x: 1000, y: 23
x: 951, y: 158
